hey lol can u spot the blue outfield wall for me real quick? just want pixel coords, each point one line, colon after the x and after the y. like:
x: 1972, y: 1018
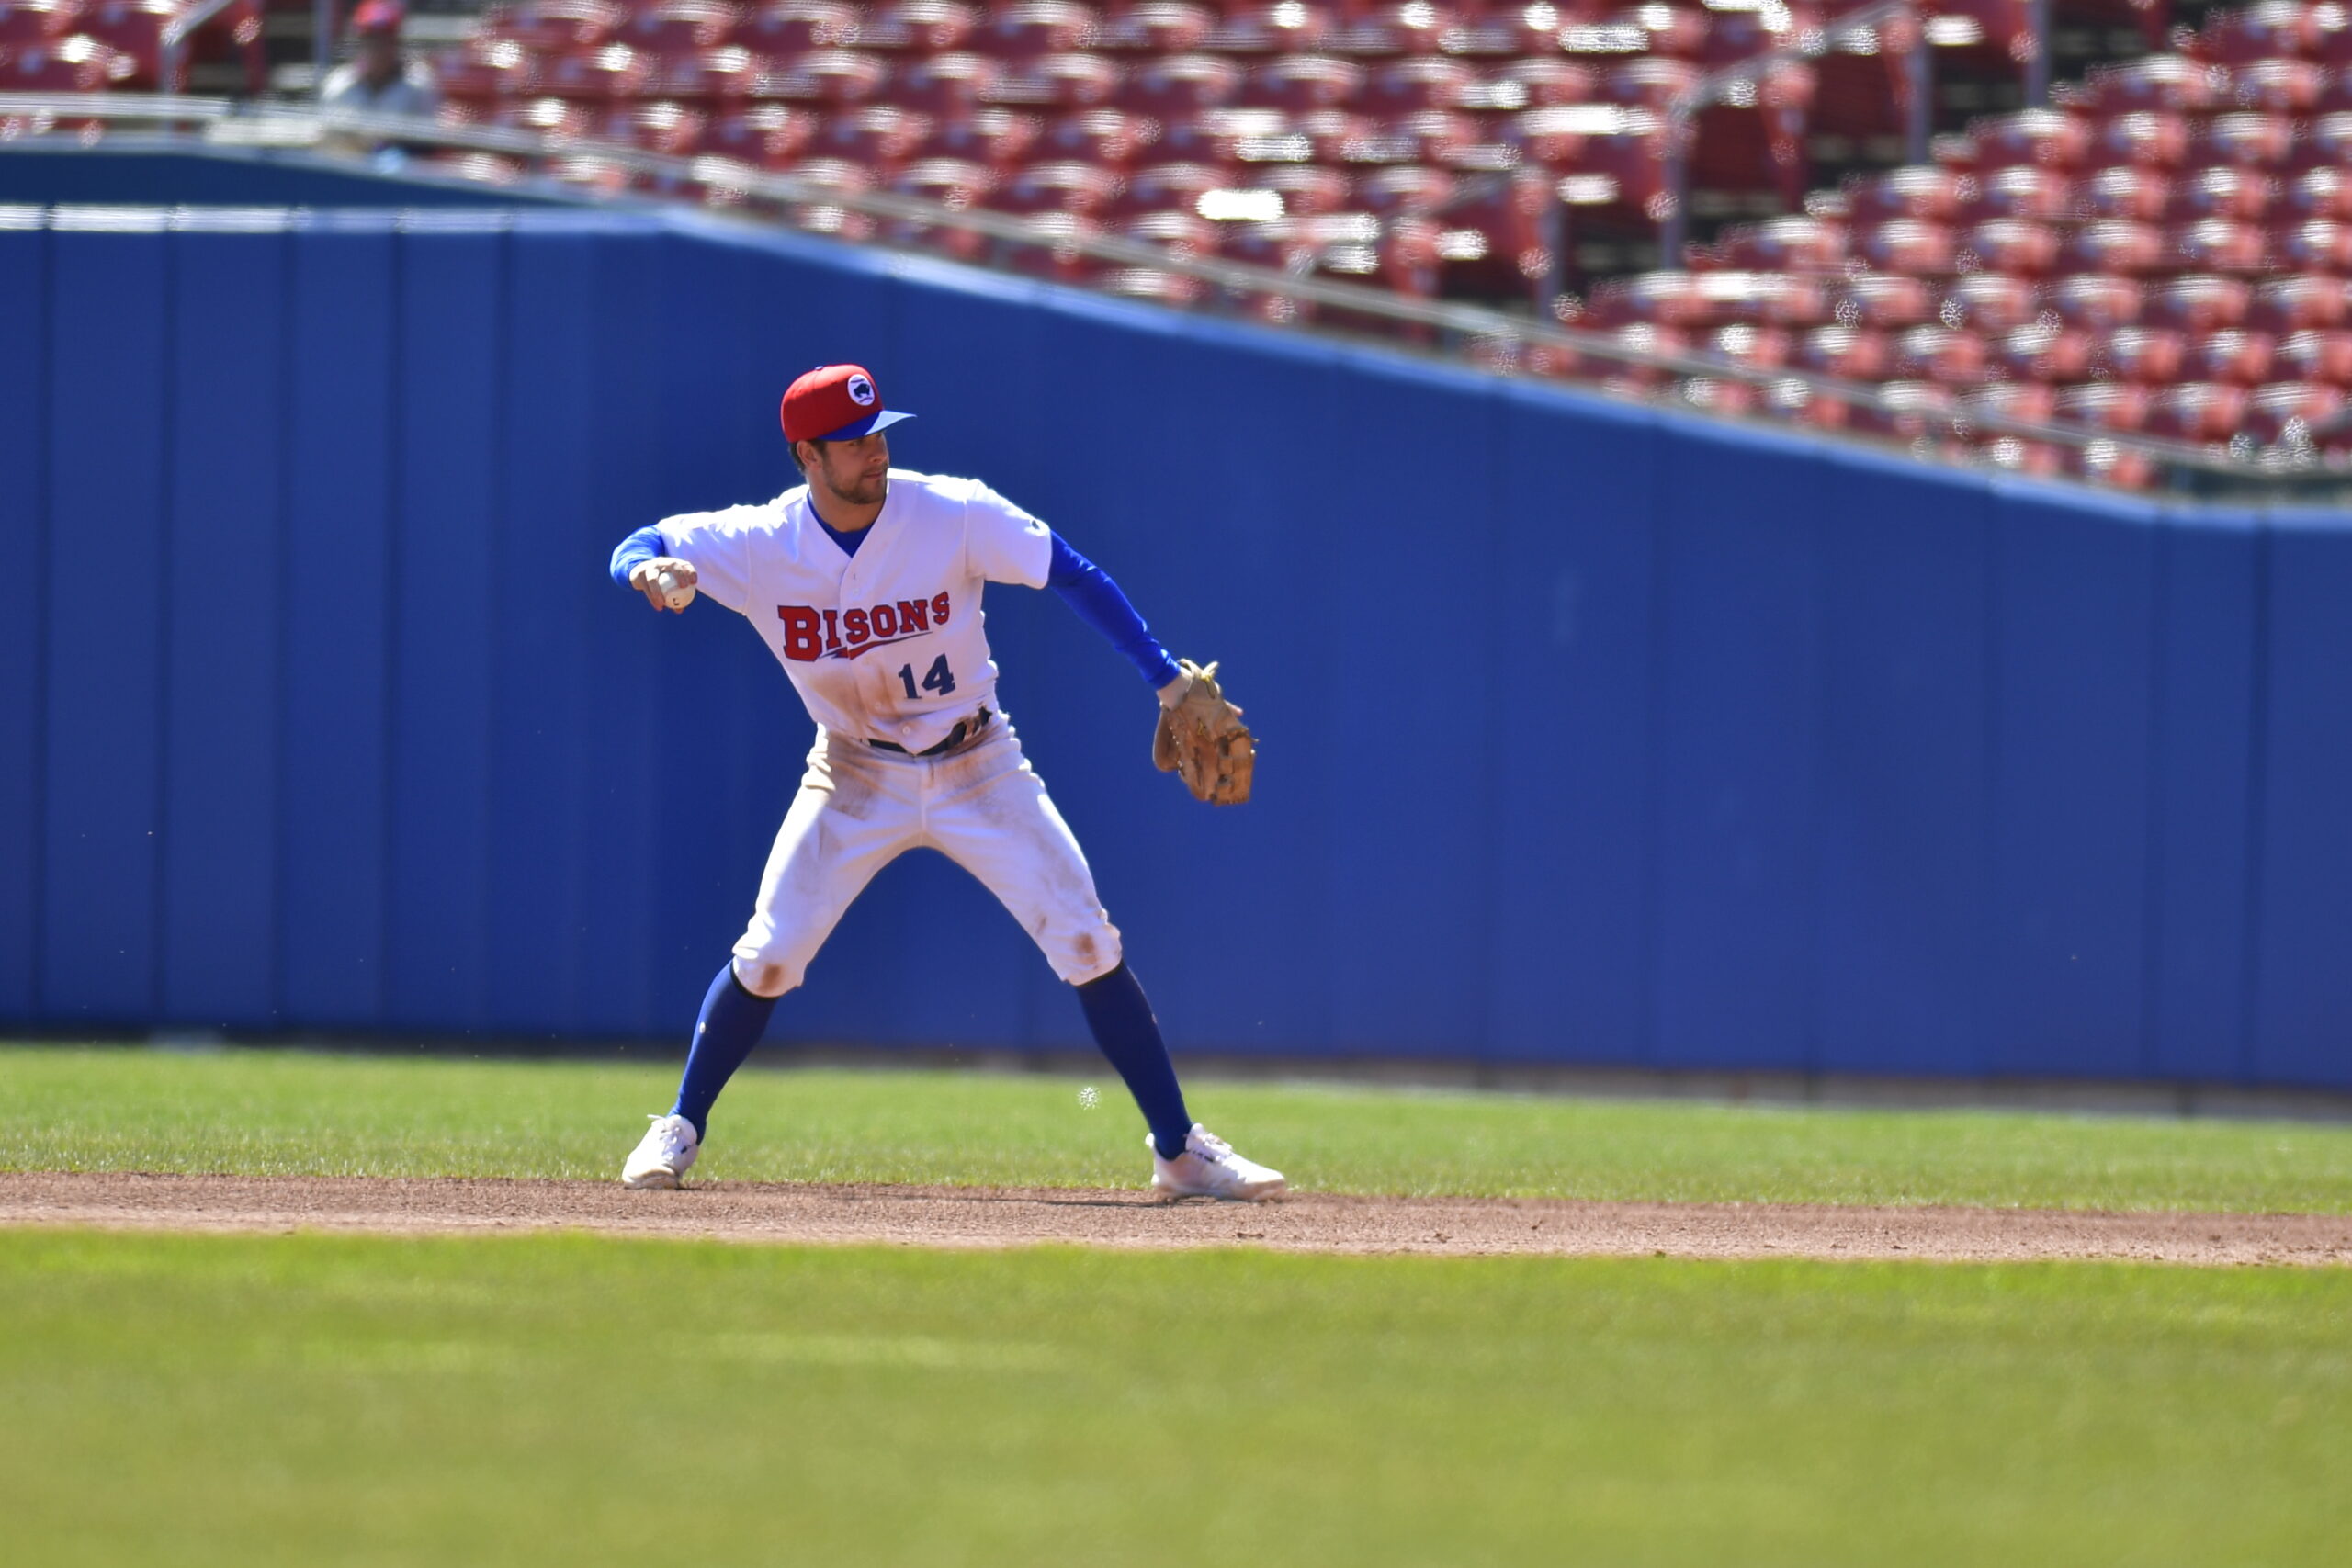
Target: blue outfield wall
x: 1592, y: 734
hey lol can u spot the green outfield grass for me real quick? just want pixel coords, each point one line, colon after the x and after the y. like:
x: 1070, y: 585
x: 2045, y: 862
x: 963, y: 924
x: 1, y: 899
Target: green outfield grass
x: 567, y: 1400
x: 285, y: 1112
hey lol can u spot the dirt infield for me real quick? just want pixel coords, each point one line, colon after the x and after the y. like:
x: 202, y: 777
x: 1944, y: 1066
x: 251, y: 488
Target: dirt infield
x: 952, y: 1216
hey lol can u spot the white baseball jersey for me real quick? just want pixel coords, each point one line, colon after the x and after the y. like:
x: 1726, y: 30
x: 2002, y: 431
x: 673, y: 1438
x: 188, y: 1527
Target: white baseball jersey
x: 888, y: 644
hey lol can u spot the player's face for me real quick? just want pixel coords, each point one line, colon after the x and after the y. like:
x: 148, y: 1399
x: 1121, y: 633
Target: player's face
x: 858, y: 472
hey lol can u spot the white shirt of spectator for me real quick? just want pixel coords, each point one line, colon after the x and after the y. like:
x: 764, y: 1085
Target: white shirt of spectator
x: 414, y: 93
x: 888, y: 644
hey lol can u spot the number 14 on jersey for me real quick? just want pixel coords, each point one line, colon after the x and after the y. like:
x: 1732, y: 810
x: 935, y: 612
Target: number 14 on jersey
x: 937, y: 679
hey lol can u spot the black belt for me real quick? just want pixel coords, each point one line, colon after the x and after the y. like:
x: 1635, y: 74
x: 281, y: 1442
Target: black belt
x: 965, y: 731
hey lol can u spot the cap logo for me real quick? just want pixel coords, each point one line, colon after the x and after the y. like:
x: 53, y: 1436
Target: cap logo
x: 861, y: 391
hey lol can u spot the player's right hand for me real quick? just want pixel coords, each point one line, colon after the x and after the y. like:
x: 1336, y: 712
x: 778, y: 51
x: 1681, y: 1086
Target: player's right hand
x: 646, y: 578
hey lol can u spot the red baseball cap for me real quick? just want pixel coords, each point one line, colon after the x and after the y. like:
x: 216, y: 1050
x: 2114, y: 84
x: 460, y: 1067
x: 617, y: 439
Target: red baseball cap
x: 378, y: 16
x: 835, y: 402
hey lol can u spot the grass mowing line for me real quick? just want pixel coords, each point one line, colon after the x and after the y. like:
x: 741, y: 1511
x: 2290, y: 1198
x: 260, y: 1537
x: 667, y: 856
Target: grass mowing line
x: 562, y: 1400
x: 263, y: 1112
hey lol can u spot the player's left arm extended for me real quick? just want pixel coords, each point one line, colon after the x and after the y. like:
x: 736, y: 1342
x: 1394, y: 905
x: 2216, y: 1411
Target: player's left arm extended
x: 1200, y: 736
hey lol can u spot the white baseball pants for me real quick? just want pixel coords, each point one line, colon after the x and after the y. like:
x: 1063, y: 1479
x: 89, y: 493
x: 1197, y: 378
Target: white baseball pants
x: 859, y: 809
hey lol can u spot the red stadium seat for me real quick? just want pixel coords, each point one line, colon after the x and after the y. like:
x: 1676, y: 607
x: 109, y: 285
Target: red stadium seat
x: 1432, y: 136
x: 133, y: 30
x: 2095, y: 302
x: 2198, y: 305
x: 1947, y: 356
x: 2310, y: 355
x: 1271, y: 29
x: 2315, y: 193
x: 1032, y: 27
x: 675, y: 130
x: 25, y: 23
x: 1540, y: 84
x: 2241, y: 194
x: 1664, y: 31
x: 2246, y: 140
x: 2234, y: 358
x: 1180, y: 86
x: 1649, y: 83
x: 2275, y: 29
x: 1390, y: 31
x: 726, y: 74
x: 614, y: 73
x: 1171, y: 187
x: 2115, y: 246
x: 2277, y: 87
x: 1779, y: 244
x: 1920, y: 191
x: 1056, y: 81
x: 1737, y: 35
x: 769, y: 136
x: 674, y: 27
x: 2147, y: 140
x: 1155, y: 29
x: 1906, y: 246
x: 1178, y: 233
x: 947, y: 86
x: 917, y: 26
x: 486, y: 70
x: 876, y: 135
x: 1404, y: 86
x: 2173, y: 83
x: 796, y: 26
x: 1907, y: 411
x: 1502, y: 33
x: 2288, y: 414
x: 1988, y: 302
x: 1887, y: 302
x: 2333, y: 43
x: 2315, y: 247
x: 2285, y: 305
x: 2326, y: 143
x: 952, y: 183
x: 1405, y: 190
x: 1663, y: 298
x: 2011, y: 246
x: 2027, y: 401
x: 2108, y: 405
x: 1303, y: 82
x: 2148, y: 355
x: 1108, y: 137
x: 1758, y: 348
x: 559, y: 119
x: 2134, y: 195
x: 2049, y: 139
x: 2040, y: 352
x: 1306, y: 189
x: 2042, y: 196
x: 2198, y: 412
x: 2218, y: 246
x: 997, y: 138
x: 1080, y: 190
x: 1562, y: 137
x: 1853, y: 353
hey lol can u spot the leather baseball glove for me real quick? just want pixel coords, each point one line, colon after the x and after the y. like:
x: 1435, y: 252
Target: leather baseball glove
x: 1201, y: 738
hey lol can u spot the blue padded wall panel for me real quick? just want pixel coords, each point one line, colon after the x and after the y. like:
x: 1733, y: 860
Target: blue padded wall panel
x: 221, y: 773
x: 1904, y: 767
x: 341, y: 316
x: 2207, y: 616
x: 1412, y: 612
x: 109, y: 393
x: 2303, y: 918
x: 24, y: 519
x: 2073, y: 604
x: 452, y: 293
x: 1739, y: 716
x: 542, y: 558
x: 1568, y: 757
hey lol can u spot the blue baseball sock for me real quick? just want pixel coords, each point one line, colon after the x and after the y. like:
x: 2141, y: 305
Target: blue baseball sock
x: 1120, y: 1015
x: 731, y: 1023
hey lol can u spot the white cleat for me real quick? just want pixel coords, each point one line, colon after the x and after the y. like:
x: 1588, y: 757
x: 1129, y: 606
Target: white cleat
x: 666, y: 1153
x: 1209, y: 1168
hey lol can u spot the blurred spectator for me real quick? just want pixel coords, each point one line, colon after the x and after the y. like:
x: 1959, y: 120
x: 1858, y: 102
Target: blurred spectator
x: 379, y: 78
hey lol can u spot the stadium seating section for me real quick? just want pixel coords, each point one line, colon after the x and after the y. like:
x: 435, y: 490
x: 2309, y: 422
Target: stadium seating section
x: 2165, y: 250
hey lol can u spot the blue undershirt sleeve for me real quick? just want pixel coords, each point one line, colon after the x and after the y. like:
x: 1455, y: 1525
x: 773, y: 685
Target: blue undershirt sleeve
x: 635, y: 551
x: 1087, y: 589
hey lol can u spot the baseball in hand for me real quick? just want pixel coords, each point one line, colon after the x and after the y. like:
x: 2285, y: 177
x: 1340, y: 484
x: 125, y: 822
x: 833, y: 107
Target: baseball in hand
x: 677, y: 595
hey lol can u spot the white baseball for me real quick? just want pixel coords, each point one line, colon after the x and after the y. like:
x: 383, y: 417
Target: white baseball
x: 676, y: 594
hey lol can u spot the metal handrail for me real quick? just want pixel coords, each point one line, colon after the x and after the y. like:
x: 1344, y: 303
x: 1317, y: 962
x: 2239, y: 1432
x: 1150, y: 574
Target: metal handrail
x: 283, y: 127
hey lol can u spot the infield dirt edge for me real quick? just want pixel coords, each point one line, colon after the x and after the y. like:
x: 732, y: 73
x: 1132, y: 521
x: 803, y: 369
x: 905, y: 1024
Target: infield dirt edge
x: 1315, y: 1223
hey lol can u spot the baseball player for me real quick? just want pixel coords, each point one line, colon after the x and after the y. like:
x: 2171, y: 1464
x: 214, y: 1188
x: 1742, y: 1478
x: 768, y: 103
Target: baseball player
x: 864, y: 582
